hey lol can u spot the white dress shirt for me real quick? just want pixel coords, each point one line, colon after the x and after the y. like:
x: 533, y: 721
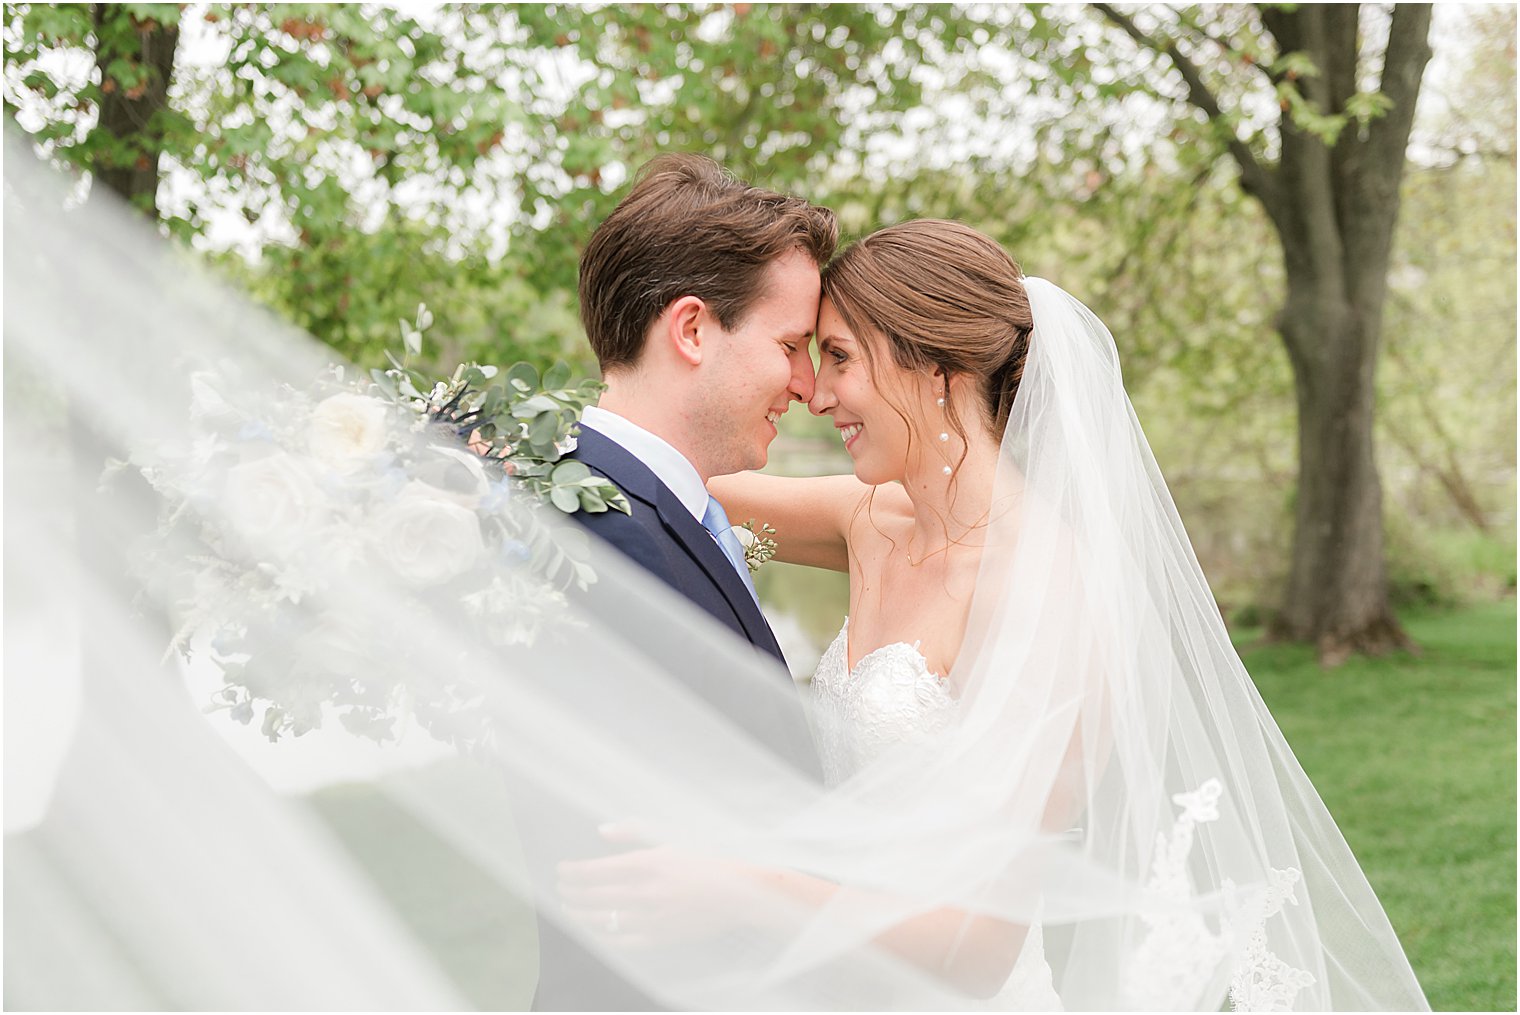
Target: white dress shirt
x: 669, y: 466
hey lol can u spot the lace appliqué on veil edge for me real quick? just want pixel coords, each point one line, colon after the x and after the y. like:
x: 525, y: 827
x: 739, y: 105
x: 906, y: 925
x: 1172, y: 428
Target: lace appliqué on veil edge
x: 1262, y: 981
x: 1180, y: 953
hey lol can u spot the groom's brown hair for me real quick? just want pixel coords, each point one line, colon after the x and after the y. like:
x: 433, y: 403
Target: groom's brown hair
x: 687, y: 228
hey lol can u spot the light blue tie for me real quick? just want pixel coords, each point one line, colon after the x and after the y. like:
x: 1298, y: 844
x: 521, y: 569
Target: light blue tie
x: 716, y: 522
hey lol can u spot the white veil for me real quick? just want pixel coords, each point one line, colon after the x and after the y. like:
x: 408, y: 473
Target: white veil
x: 1114, y: 779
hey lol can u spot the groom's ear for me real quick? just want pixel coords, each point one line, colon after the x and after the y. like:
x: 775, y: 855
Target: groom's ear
x: 681, y: 327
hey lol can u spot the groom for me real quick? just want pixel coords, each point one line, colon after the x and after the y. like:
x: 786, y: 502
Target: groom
x: 699, y: 295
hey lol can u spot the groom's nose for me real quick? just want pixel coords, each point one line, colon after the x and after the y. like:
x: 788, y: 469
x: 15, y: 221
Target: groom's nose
x: 801, y: 385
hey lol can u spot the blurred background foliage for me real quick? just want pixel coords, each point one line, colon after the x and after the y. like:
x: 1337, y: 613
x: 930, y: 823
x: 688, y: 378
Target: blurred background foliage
x: 346, y: 162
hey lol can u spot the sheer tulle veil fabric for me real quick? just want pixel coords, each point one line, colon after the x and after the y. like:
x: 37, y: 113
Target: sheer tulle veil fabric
x: 1113, y: 775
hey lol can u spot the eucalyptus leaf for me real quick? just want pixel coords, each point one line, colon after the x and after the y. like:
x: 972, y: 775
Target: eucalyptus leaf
x: 530, y: 407
x: 574, y: 540
x: 523, y: 376
x: 544, y: 430
x: 558, y: 375
x: 384, y: 382
x: 564, y: 499
x: 571, y: 472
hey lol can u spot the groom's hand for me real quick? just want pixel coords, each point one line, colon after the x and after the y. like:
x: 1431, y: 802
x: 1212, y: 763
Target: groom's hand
x: 657, y: 895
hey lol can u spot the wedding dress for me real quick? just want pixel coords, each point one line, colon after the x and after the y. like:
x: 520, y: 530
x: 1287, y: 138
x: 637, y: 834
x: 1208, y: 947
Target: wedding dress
x: 889, y: 698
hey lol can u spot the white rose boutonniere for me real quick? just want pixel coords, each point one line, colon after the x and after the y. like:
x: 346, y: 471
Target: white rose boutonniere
x: 759, y: 547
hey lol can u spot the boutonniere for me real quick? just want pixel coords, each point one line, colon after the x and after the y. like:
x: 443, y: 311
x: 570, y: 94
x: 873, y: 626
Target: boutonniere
x: 759, y: 547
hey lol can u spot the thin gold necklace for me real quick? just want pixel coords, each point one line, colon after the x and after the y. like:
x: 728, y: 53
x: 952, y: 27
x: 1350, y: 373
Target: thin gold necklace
x: 980, y: 523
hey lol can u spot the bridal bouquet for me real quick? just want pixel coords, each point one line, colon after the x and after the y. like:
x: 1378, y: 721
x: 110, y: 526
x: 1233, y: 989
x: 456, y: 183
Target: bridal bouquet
x: 281, y: 505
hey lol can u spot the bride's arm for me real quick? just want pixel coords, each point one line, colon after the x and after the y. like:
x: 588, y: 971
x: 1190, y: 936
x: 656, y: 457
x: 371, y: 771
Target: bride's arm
x: 972, y: 952
x: 811, y: 516
x: 665, y: 895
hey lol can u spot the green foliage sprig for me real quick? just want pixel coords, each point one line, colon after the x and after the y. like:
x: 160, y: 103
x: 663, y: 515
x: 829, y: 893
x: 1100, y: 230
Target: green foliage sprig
x: 520, y: 420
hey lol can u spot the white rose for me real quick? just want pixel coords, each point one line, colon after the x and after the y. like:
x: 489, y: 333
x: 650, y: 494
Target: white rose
x: 346, y: 429
x: 745, y: 536
x: 427, y: 537
x: 274, y: 501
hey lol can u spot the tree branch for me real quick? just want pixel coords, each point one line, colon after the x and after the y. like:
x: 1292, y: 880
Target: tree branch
x: 1225, y: 47
x: 1256, y: 178
x: 1403, y: 70
x: 1338, y: 56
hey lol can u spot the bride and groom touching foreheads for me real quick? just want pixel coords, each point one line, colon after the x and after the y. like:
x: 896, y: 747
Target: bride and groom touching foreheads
x: 1031, y: 653
x: 701, y: 296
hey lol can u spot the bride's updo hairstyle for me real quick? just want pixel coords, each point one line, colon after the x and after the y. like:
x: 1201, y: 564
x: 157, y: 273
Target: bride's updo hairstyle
x: 941, y: 295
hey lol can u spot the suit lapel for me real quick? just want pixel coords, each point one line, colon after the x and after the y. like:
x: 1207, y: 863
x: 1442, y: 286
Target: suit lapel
x: 698, y: 542
x: 637, y: 480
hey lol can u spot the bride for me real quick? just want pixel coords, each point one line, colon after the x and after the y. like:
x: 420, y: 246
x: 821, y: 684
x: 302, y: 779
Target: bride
x: 1049, y: 779
x: 923, y: 332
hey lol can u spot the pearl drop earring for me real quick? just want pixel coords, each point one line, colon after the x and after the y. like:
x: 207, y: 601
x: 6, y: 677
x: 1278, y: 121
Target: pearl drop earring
x: 944, y: 438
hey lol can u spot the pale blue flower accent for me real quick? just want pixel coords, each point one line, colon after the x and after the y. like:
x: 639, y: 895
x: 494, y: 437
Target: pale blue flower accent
x: 497, y: 496
x: 515, y: 551
x: 392, y: 481
x: 255, y: 430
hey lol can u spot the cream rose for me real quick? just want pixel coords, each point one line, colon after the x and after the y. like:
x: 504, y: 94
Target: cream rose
x: 345, y: 430
x: 427, y: 537
x: 273, y: 500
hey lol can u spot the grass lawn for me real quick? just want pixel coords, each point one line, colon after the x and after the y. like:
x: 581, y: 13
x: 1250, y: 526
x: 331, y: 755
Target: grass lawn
x: 1415, y: 757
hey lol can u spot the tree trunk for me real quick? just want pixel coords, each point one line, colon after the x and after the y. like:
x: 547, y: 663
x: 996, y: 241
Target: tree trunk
x: 1335, y: 212
x: 1337, y: 594
x: 1333, y: 197
x: 136, y: 61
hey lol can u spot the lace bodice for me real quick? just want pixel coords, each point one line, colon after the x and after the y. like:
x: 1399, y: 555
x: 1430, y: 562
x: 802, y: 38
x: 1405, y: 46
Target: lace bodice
x: 892, y: 697
x: 889, y: 698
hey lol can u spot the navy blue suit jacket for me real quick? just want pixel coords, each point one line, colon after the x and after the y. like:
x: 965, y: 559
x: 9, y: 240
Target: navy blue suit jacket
x: 662, y: 537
